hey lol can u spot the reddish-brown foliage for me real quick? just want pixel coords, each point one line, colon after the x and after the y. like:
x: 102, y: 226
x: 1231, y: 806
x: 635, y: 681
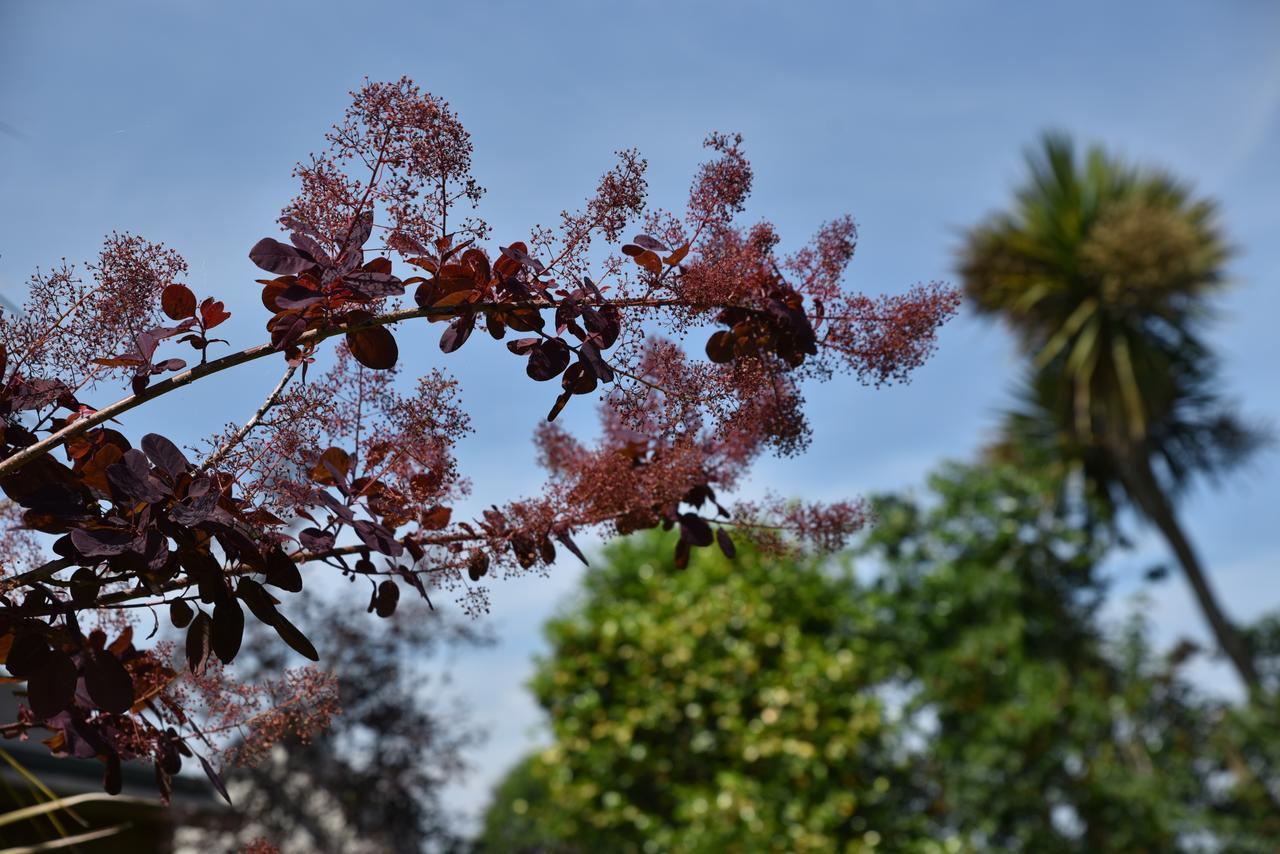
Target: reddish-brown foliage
x: 345, y: 469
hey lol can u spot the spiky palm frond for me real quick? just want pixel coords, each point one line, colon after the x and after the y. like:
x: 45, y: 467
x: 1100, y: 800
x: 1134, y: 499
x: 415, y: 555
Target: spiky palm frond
x: 1103, y: 270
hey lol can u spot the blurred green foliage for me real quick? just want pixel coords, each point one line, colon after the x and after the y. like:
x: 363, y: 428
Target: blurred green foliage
x: 1038, y: 729
x: 957, y: 695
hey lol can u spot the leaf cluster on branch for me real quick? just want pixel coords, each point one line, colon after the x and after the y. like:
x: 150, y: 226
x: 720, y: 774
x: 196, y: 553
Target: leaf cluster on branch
x: 343, y: 468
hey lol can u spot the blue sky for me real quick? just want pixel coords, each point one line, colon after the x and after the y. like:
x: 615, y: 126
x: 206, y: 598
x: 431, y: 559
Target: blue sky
x: 180, y: 120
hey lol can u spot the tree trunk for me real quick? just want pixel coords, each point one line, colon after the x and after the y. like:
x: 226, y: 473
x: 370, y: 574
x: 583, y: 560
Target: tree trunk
x: 1155, y: 505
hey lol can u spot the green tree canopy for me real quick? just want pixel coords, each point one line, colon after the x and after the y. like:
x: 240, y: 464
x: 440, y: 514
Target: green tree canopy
x: 1038, y: 728
x: 725, y: 707
x: 960, y: 697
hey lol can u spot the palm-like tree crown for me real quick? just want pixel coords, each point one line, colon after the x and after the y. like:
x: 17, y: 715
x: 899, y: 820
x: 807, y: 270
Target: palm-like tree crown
x: 1103, y: 271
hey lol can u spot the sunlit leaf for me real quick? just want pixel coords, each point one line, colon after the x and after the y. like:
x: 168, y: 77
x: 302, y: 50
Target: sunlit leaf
x: 178, y: 302
x: 374, y: 347
x: 199, y: 642
x: 279, y: 258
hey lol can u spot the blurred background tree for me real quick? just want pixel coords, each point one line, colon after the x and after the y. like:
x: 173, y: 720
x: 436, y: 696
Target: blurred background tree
x: 963, y: 698
x: 724, y: 707
x: 1038, y: 728
x: 1104, y: 272
x: 373, y: 780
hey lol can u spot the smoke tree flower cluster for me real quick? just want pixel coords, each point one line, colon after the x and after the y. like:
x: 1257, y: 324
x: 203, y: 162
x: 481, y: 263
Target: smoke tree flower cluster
x: 695, y: 338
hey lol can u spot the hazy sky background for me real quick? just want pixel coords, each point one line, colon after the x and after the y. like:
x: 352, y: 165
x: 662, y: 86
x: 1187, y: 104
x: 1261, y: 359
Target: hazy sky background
x: 181, y: 121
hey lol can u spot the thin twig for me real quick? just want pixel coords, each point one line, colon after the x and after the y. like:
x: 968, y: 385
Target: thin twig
x: 253, y: 422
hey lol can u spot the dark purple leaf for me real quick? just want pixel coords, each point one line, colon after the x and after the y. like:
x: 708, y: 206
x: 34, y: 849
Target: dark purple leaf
x: 547, y: 550
x: 315, y: 540
x: 214, y: 777
x: 286, y: 328
x: 101, y: 542
x: 108, y: 682
x: 374, y: 285
x: 559, y: 405
x: 646, y: 242
x: 84, y: 587
x: 258, y: 600
x: 523, y: 258
x: 341, y: 510
x: 45, y: 485
x: 170, y: 760
x: 201, y: 484
x: 290, y: 634
x: 578, y: 378
x: 548, y: 359
x: 146, y: 344
x: 374, y: 347
x: 525, y: 550
x: 591, y: 353
x: 695, y: 530
x: 228, y: 629
x: 180, y: 613
x: 199, y: 642
x: 360, y: 230
x: 298, y: 297
x: 164, y: 454
x: 522, y: 346
x: 414, y: 579
x: 24, y: 653
x: 567, y: 541
x: 726, y: 544
x: 310, y: 246
x: 378, y: 538
x: 155, y: 550
x: 282, y: 572
x: 388, y: 596
x: 280, y: 258
x: 131, y: 479
x: 612, y: 326
x: 347, y: 261
x: 682, y: 554
x: 516, y: 289
x: 458, y: 332
x: 192, y: 511
x: 698, y: 495
x: 112, y: 778
x: 720, y: 347
x: 178, y: 302
x: 566, y: 313
x: 51, y: 685
x: 34, y: 394
x: 477, y: 564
